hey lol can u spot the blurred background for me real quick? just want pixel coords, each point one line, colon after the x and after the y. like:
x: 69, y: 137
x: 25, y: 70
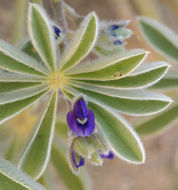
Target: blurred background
x: 159, y: 171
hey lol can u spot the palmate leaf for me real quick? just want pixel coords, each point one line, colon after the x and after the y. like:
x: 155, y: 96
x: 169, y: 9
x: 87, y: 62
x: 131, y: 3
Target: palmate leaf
x: 12, y: 59
x: 82, y: 43
x: 133, y: 105
x: 9, y: 110
x: 71, y: 181
x: 142, y: 77
x: 159, y: 122
x: 36, y: 156
x: 112, y: 68
x: 160, y: 37
x: 42, y: 37
x: 13, y: 179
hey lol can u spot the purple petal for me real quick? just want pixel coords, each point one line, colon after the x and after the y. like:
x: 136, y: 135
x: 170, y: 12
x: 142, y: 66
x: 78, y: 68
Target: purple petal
x: 80, y: 109
x: 110, y: 155
x: 57, y: 31
x: 81, y: 162
x: 89, y: 126
x: 79, y: 129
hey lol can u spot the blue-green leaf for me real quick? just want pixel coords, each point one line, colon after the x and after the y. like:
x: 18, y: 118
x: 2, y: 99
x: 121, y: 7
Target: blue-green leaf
x: 160, y: 37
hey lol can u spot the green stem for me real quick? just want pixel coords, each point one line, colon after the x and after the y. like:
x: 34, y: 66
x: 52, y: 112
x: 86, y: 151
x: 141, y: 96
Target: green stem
x: 19, y: 20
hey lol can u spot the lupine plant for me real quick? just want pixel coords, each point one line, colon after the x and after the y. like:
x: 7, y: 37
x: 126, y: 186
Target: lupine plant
x: 91, y: 70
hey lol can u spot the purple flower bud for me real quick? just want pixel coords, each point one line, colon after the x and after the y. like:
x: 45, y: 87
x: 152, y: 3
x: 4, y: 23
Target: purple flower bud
x: 117, y: 42
x: 114, y: 27
x: 110, y: 155
x: 81, y: 121
x: 81, y: 160
x: 57, y: 31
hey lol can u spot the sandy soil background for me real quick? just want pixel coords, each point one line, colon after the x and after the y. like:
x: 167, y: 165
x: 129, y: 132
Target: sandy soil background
x: 158, y: 173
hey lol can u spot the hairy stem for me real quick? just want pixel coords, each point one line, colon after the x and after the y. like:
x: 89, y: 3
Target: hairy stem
x: 19, y: 21
x: 60, y: 17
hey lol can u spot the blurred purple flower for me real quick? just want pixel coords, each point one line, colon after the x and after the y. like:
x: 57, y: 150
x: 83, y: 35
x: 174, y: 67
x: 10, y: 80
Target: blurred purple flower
x: 81, y: 121
x: 110, y: 155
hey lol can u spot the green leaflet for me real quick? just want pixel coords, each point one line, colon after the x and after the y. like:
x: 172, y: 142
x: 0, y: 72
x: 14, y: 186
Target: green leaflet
x: 166, y: 84
x: 144, y: 78
x: 82, y: 43
x: 11, y: 86
x: 71, y: 181
x: 111, y: 68
x: 11, y: 109
x: 42, y: 36
x: 6, y: 76
x: 12, y: 59
x: 160, y: 37
x: 13, y: 179
x: 132, y: 105
x: 159, y: 122
x: 36, y: 156
x: 20, y: 94
x: 120, y: 135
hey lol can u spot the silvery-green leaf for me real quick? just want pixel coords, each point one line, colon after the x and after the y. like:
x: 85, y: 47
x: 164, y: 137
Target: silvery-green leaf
x: 36, y: 156
x: 11, y: 109
x: 121, y: 137
x: 160, y: 37
x: 169, y: 82
x: 158, y: 123
x: 12, y: 86
x: 42, y: 36
x: 20, y: 94
x: 110, y: 68
x: 132, y: 105
x: 146, y: 75
x: 82, y: 43
x: 71, y: 181
x: 13, y: 179
x: 13, y: 59
x: 6, y: 76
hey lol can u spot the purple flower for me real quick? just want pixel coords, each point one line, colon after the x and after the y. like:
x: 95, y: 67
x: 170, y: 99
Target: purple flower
x: 110, y: 155
x: 57, y: 31
x: 81, y: 121
x: 80, y: 162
